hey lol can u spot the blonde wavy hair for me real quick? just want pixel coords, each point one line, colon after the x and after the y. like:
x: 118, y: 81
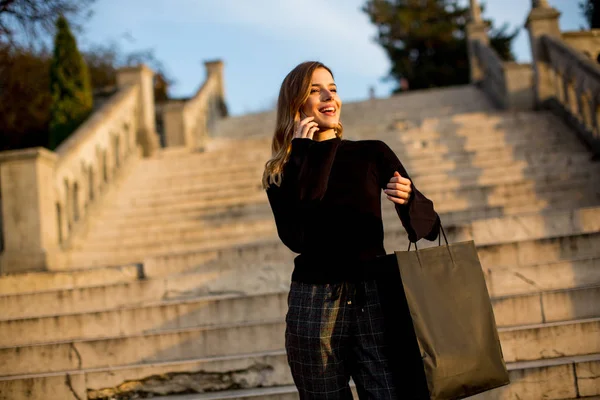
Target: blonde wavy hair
x: 294, y: 92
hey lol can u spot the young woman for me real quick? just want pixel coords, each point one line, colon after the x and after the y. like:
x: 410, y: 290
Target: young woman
x: 325, y: 193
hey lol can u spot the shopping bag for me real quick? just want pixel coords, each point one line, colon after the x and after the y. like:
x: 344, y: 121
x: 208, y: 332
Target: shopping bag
x: 453, y: 320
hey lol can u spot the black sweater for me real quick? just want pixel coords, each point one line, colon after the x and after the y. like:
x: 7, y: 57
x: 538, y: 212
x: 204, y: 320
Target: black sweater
x: 328, y: 207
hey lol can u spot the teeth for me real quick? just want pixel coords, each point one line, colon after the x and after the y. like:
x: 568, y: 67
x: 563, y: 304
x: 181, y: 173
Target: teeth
x: 328, y: 109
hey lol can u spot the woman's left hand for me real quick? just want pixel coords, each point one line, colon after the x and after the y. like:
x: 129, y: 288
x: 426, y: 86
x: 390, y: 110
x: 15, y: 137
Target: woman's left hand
x: 399, y: 189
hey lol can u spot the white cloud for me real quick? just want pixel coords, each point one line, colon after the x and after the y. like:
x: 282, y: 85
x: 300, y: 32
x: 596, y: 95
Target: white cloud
x: 333, y: 30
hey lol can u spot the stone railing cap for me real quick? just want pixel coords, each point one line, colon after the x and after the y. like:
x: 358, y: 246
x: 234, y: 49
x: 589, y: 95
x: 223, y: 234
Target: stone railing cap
x: 140, y: 67
x: 543, y: 13
x: 26, y: 154
x: 516, y: 65
x: 589, y: 33
x: 174, y: 105
x: 213, y: 62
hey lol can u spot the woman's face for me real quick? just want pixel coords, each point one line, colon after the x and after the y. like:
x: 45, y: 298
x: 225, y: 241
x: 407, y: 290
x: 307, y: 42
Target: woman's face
x: 323, y: 102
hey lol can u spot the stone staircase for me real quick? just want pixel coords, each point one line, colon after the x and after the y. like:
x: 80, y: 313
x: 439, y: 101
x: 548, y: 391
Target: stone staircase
x: 181, y: 282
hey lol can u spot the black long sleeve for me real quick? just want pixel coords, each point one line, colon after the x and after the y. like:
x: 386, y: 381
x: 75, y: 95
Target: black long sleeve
x: 304, y: 184
x: 328, y: 206
x: 418, y: 216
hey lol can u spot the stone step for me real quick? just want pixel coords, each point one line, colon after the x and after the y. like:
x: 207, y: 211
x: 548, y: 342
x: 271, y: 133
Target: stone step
x: 415, y: 156
x: 522, y: 343
x: 84, y: 258
x: 542, y: 277
x: 450, y: 143
x: 475, y: 137
x: 244, y: 188
x: 551, y: 248
x: 249, y: 177
x: 563, y: 378
x: 190, y: 212
x: 564, y: 222
x: 35, y: 282
x: 465, y: 206
x: 487, y: 128
x: 174, y: 231
x: 252, y: 267
x: 259, y: 154
x: 418, y: 163
x: 144, y: 308
x: 202, y: 233
x: 418, y: 167
x: 540, y: 176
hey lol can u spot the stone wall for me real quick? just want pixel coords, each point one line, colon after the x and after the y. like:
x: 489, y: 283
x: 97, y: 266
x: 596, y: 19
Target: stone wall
x: 587, y: 42
x: 47, y: 196
x: 186, y: 123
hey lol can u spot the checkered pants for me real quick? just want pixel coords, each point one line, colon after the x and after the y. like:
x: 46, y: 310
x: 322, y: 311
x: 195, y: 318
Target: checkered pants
x: 334, y: 332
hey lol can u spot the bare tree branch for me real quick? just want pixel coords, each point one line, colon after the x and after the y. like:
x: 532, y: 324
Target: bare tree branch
x: 27, y: 19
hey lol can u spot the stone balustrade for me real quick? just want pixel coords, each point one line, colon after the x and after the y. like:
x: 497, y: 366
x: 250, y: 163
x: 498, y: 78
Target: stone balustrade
x: 187, y: 122
x: 46, y: 196
x: 576, y: 88
x: 587, y: 42
x: 92, y: 158
x: 508, y: 84
x: 493, y: 81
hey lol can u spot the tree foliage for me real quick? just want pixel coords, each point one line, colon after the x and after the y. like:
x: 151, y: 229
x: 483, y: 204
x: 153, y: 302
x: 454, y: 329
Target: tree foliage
x: 104, y: 60
x: 25, y: 89
x: 28, y: 19
x: 24, y: 98
x: 591, y: 12
x: 426, y: 40
x: 69, y: 86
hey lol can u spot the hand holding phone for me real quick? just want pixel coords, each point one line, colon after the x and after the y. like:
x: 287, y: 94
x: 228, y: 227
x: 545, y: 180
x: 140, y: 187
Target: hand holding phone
x: 306, y: 127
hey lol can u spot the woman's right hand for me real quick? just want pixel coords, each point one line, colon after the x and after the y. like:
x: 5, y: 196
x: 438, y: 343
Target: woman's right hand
x: 306, y: 128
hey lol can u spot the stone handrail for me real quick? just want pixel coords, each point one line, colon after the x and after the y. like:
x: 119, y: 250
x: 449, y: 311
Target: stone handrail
x: 586, y: 42
x: 46, y: 196
x: 493, y: 82
x: 187, y: 123
x: 576, y: 89
x: 93, y: 156
x: 508, y: 84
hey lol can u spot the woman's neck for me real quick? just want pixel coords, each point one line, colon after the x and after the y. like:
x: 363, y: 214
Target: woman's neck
x: 324, y: 135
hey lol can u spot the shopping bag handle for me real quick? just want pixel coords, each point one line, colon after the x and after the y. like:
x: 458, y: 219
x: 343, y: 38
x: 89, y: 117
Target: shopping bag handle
x: 439, y: 238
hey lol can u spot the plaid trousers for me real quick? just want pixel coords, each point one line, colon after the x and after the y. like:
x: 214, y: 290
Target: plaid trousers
x: 334, y: 332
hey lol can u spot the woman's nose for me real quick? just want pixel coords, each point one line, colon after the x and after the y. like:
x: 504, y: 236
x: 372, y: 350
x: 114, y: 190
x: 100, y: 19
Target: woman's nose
x: 327, y: 95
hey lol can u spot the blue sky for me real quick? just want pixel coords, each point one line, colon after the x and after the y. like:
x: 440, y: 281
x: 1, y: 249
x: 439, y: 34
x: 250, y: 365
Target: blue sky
x: 260, y: 41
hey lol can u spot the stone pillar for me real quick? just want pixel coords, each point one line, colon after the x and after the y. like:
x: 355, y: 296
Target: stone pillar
x: 174, y: 124
x: 476, y: 31
x: 144, y: 78
x: 216, y: 68
x: 30, y: 221
x: 542, y: 20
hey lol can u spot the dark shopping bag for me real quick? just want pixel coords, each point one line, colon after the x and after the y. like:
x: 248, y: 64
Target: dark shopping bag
x: 453, y: 320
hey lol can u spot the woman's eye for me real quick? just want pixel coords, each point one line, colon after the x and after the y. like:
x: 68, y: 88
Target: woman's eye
x: 333, y: 90
x: 314, y: 90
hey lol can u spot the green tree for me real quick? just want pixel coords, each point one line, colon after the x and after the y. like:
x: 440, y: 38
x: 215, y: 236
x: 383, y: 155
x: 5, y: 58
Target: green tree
x: 69, y: 86
x: 591, y: 12
x: 24, y: 97
x: 426, y: 41
x: 104, y: 60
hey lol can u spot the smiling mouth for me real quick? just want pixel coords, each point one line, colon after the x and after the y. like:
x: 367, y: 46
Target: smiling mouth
x: 329, y: 111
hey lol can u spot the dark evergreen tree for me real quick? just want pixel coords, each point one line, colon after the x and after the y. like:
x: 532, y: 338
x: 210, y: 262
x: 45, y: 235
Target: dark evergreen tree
x: 69, y: 86
x: 591, y: 12
x: 426, y: 41
x: 24, y: 98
